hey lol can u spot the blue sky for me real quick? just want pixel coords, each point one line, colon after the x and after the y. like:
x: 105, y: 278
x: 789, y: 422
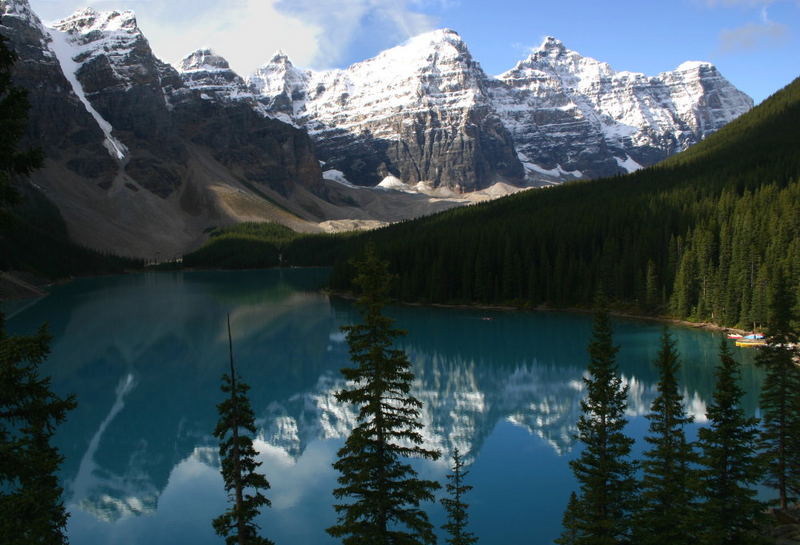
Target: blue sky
x: 754, y: 43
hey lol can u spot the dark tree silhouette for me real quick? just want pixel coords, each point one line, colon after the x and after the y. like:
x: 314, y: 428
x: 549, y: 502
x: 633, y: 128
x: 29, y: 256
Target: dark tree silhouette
x: 239, y: 468
x: 570, y: 533
x: 780, y: 396
x: 603, y: 469
x: 730, y: 466
x: 384, y: 492
x: 31, y: 510
x: 457, y: 516
x: 665, y: 515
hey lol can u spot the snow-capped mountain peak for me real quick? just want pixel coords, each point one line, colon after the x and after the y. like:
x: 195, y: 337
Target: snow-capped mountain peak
x: 552, y: 45
x: 694, y: 65
x: 579, y: 114
x: 88, y: 20
x: 277, y: 77
x: 21, y: 9
x: 279, y: 57
x: 443, y: 45
x: 428, y: 90
x: 203, y: 59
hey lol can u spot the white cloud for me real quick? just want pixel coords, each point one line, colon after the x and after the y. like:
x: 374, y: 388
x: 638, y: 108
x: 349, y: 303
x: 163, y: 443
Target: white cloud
x: 347, y: 22
x: 753, y: 36
x: 246, y: 32
x: 318, y: 33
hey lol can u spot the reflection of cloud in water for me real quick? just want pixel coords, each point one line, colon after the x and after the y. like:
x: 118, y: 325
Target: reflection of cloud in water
x: 110, y: 496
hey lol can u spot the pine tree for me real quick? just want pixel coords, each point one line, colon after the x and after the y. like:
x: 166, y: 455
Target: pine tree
x: 385, y: 492
x: 603, y: 470
x: 457, y: 515
x: 242, y: 482
x: 13, y: 123
x: 31, y: 510
x: 730, y: 467
x: 571, y: 534
x: 780, y: 396
x: 665, y: 507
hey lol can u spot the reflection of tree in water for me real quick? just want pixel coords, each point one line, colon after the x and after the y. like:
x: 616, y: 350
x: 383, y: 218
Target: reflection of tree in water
x: 474, y: 369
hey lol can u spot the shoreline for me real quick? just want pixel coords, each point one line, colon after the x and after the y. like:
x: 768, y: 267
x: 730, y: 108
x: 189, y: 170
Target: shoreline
x: 42, y: 291
x: 708, y: 326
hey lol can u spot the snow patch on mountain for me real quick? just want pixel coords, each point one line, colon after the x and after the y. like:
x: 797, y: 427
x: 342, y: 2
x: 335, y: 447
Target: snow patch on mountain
x: 394, y: 183
x: 628, y: 164
x: 557, y: 173
x: 64, y: 50
x: 339, y: 177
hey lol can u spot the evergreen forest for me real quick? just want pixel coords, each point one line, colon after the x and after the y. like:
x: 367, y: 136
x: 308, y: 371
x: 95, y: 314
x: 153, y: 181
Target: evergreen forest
x: 701, y: 236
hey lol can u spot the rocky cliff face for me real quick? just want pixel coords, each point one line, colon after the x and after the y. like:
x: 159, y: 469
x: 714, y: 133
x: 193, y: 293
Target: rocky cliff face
x: 142, y: 150
x: 58, y: 122
x: 127, y: 85
x: 419, y: 112
x: 216, y: 108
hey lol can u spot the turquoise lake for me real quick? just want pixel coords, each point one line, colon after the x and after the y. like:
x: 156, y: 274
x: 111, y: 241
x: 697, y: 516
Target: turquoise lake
x: 143, y: 355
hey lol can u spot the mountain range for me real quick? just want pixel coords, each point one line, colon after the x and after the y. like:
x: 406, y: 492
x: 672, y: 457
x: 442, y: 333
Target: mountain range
x: 144, y: 158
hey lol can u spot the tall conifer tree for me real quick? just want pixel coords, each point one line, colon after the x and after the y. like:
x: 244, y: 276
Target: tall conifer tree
x: 242, y: 482
x: 455, y: 506
x: 603, y: 470
x: 780, y: 396
x: 665, y: 512
x: 570, y: 533
x: 730, y: 466
x: 31, y: 510
x: 384, y: 492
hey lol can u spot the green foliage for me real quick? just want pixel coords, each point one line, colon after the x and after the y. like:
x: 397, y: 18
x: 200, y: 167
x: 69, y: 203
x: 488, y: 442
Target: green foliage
x: 385, y: 492
x: 457, y: 515
x: 569, y: 536
x: 699, y: 236
x: 242, y: 482
x: 665, y: 514
x: 31, y: 510
x: 730, y: 466
x: 780, y: 396
x: 266, y: 230
x: 260, y: 245
x: 603, y: 470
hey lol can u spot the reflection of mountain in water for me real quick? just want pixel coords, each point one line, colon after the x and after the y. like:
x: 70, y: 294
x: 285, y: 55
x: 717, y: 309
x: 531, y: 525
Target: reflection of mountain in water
x: 144, y: 355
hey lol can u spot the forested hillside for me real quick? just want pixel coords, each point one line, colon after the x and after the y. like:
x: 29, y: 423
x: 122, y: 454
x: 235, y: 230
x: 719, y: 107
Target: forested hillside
x: 700, y: 236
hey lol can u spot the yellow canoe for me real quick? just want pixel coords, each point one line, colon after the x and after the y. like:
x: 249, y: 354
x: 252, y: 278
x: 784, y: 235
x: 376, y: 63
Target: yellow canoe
x: 750, y: 342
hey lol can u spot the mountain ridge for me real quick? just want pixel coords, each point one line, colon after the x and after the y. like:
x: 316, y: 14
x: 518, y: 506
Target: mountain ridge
x: 648, y: 119
x: 192, y: 148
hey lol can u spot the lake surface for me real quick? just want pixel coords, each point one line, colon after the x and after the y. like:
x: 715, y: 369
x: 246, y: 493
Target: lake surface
x: 144, y: 354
